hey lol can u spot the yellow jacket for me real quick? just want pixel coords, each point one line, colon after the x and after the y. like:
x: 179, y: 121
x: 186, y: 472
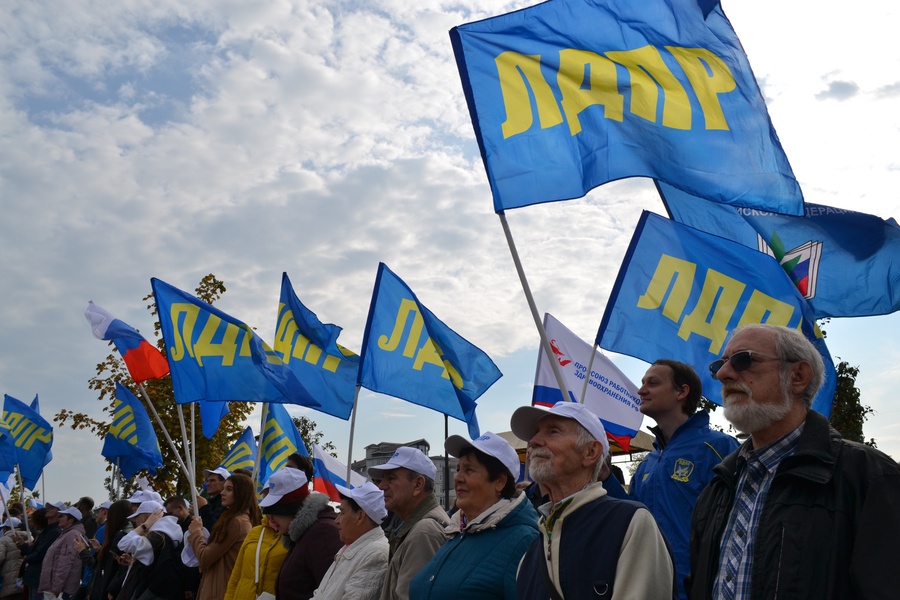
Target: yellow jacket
x: 243, y: 583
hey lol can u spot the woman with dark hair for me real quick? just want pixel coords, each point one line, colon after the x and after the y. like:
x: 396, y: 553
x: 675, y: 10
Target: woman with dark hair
x: 307, y: 523
x: 304, y: 463
x: 218, y: 554
x: 489, y: 534
x: 106, y: 572
x: 33, y: 553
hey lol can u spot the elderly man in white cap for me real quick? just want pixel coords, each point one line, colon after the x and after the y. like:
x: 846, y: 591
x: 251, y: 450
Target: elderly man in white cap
x: 591, y: 545
x: 359, y: 567
x: 62, y: 567
x: 408, y: 484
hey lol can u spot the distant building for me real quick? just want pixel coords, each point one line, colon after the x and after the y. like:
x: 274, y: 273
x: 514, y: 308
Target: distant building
x: 380, y: 453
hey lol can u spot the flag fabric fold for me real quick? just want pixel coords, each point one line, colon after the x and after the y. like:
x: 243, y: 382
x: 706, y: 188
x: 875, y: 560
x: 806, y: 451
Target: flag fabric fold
x: 143, y: 360
x: 32, y: 436
x: 843, y: 262
x: 329, y: 471
x: 609, y: 394
x: 217, y: 358
x: 242, y: 454
x: 278, y: 440
x: 410, y: 354
x: 310, y: 350
x: 131, y: 441
x: 567, y: 95
x: 680, y: 291
x: 211, y: 415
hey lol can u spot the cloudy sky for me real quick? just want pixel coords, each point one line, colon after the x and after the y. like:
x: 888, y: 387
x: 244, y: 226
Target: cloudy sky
x: 172, y: 139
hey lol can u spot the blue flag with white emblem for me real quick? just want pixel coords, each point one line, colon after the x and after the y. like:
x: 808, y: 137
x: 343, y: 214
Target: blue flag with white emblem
x: 845, y: 263
x: 32, y: 436
x: 567, y: 95
x: 410, y: 354
x: 680, y: 292
x: 217, y: 358
x: 278, y: 441
x: 310, y: 350
x: 242, y: 454
x: 131, y: 441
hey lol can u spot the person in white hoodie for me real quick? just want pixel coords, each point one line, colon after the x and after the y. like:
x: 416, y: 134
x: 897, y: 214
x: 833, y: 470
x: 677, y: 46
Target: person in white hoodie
x: 359, y: 567
x: 155, y: 547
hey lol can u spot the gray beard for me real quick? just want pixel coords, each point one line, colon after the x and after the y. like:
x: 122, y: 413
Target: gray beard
x: 541, y: 471
x: 751, y: 416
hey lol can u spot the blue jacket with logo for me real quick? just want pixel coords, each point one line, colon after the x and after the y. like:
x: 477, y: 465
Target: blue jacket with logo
x: 670, y: 480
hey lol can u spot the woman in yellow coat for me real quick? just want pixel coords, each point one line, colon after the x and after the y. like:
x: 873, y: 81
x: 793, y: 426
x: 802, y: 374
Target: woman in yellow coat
x: 258, y: 564
x: 218, y: 554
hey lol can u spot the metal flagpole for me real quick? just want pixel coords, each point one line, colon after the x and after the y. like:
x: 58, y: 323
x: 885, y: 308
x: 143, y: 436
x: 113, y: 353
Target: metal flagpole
x: 352, y: 429
x: 588, y: 374
x: 257, y: 460
x: 446, y: 465
x: 193, y: 444
x: 24, y: 501
x: 545, y: 342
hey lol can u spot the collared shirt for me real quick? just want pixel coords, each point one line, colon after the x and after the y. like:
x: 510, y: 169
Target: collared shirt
x: 757, y: 470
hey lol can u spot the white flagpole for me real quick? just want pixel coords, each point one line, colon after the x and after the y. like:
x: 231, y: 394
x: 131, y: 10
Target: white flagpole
x: 257, y: 461
x: 588, y: 374
x: 545, y: 342
x: 352, y: 429
x: 24, y: 501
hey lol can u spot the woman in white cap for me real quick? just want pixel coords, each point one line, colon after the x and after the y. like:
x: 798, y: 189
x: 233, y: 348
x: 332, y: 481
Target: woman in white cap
x: 357, y: 572
x: 306, y: 522
x: 61, y: 572
x: 491, y: 531
x: 10, y: 557
x: 218, y: 555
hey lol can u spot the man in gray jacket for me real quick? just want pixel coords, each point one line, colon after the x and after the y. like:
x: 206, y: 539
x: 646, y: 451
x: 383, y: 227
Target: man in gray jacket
x: 408, y: 484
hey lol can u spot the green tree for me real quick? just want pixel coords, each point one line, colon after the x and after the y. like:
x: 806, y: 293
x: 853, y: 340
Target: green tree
x: 848, y: 413
x: 307, y: 429
x: 169, y: 479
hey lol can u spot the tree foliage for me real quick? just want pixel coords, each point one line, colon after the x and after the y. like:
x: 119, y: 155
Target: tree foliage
x: 307, y: 429
x: 848, y: 413
x: 209, y: 453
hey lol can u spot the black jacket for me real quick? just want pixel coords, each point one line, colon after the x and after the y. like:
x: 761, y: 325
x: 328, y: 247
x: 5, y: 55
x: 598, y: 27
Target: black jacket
x: 829, y: 526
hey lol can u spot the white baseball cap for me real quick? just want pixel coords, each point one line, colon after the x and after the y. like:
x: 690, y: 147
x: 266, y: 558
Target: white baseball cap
x: 524, y: 422
x: 369, y: 498
x: 220, y: 471
x: 11, y: 523
x: 147, y: 507
x: 60, y: 506
x: 492, y: 445
x: 105, y: 505
x: 282, y: 483
x: 72, y: 512
x: 407, y: 458
x: 144, y: 496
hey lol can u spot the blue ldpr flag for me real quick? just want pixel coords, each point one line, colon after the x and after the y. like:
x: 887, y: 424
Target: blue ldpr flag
x: 845, y: 263
x: 278, y: 440
x: 681, y: 291
x: 410, y: 354
x: 211, y: 415
x: 567, y: 95
x: 131, y: 441
x: 217, y: 358
x: 7, y: 452
x: 243, y: 454
x: 32, y: 436
x: 310, y: 350
x: 36, y: 407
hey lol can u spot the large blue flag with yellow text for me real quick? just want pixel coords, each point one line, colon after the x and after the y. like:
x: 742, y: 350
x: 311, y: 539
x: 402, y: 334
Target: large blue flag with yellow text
x: 131, y: 442
x: 309, y: 348
x: 681, y: 291
x: 570, y: 94
x: 32, y: 436
x: 278, y: 441
x: 217, y: 358
x: 845, y: 263
x: 410, y: 354
x: 36, y: 407
x: 242, y: 454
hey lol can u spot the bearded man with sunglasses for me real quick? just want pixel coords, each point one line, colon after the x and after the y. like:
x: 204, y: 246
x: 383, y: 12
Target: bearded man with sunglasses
x: 796, y: 512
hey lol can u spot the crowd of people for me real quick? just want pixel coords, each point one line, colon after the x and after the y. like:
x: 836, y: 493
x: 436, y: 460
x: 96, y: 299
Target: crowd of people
x: 792, y: 512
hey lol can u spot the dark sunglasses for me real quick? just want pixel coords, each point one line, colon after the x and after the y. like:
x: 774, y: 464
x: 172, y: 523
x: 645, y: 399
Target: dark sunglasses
x: 740, y: 361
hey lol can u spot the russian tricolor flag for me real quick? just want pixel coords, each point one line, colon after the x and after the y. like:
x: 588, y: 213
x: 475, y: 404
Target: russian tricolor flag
x: 143, y: 360
x: 328, y: 471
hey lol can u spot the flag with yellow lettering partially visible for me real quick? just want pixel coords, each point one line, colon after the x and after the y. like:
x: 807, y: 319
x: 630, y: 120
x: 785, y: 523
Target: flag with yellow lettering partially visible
x: 217, y: 358
x: 567, y: 95
x: 309, y: 348
x: 410, y: 354
x: 681, y: 291
x: 242, y: 454
x: 278, y: 440
x: 32, y: 436
x: 131, y: 442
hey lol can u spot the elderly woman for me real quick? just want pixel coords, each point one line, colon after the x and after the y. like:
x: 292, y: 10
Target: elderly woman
x: 307, y: 524
x: 357, y: 572
x: 490, y: 532
x: 62, y: 567
x: 218, y: 554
